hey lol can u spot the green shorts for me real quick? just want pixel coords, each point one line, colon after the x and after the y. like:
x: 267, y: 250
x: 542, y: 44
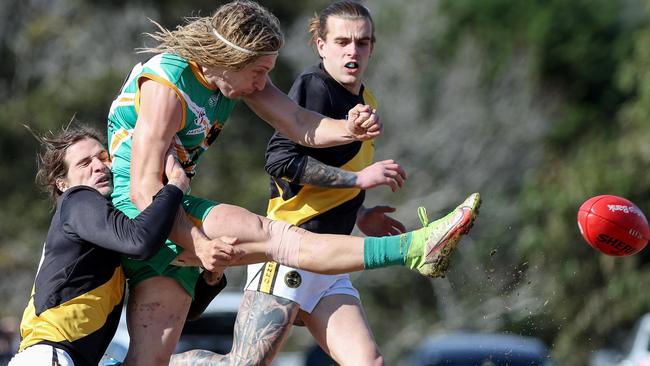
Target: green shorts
x: 139, y: 270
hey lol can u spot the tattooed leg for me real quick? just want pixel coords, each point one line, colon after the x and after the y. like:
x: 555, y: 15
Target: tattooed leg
x: 263, y: 324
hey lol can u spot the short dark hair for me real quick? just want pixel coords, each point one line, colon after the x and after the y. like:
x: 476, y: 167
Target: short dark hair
x: 51, y: 160
x: 344, y: 9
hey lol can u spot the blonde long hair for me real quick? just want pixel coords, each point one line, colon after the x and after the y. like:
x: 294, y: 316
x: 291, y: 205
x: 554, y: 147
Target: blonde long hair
x: 237, y: 34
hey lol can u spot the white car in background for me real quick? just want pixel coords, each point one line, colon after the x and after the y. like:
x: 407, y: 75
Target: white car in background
x: 636, y: 352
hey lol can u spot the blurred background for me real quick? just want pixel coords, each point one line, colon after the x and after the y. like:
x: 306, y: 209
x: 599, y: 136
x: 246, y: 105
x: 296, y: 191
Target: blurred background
x: 538, y: 105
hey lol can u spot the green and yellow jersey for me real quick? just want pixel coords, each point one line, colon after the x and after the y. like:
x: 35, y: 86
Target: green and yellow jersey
x: 205, y: 112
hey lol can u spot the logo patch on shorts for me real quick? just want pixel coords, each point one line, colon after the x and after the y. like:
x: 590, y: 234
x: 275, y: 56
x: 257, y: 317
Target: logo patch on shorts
x: 292, y: 279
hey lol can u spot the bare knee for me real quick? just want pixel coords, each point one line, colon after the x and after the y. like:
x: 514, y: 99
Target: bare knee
x: 367, y: 360
x: 363, y: 358
x: 234, y: 221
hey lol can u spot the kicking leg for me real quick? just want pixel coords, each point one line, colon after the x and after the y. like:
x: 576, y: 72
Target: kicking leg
x: 263, y: 324
x: 426, y: 250
x: 339, y: 325
x: 155, y: 317
x: 320, y: 253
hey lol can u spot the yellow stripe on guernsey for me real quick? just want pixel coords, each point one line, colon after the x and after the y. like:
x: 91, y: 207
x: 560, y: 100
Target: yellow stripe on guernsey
x: 162, y: 77
x: 125, y: 98
x: 369, y: 98
x: 167, y: 83
x: 312, y: 200
x: 73, y: 319
x: 196, y: 70
x: 119, y: 137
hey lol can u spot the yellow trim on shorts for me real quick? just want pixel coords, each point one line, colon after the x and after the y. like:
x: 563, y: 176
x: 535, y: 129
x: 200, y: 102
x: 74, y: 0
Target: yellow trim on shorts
x: 269, y: 275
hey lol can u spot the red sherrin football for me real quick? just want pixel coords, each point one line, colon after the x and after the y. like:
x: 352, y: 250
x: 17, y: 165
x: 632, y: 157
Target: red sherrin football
x: 613, y: 225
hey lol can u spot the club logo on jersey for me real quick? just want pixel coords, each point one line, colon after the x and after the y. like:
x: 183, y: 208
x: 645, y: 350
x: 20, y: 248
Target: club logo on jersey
x: 201, y: 121
x: 213, y: 100
x: 292, y: 279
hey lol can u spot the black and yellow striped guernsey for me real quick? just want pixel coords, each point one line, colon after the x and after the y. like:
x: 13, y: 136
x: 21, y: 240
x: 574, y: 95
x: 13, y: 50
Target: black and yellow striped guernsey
x: 79, y: 288
x: 317, y: 209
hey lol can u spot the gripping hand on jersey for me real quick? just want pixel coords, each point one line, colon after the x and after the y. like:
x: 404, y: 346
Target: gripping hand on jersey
x: 175, y: 173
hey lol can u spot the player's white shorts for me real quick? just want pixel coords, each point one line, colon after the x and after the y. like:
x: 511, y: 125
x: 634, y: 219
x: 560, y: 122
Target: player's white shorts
x: 41, y: 355
x: 303, y: 287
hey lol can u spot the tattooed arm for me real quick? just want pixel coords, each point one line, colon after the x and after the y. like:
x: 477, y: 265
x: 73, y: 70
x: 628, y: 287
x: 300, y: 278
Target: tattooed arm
x: 386, y: 172
x: 263, y: 324
x: 322, y: 175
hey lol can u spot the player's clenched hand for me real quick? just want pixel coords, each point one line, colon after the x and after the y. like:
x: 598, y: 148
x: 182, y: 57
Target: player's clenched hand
x: 218, y: 253
x: 363, y: 122
x: 386, y: 172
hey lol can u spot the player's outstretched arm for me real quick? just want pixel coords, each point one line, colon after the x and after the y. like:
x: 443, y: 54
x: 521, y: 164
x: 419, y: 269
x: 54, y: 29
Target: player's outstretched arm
x: 310, y: 128
x: 386, y: 172
x: 289, y: 161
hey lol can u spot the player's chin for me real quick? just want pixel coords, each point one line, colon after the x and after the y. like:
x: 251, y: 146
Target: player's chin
x: 240, y: 94
x: 106, y: 192
x: 105, y: 189
x: 348, y: 80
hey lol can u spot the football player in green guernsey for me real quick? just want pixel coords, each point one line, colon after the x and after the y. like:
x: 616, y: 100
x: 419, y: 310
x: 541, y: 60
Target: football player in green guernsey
x: 183, y: 96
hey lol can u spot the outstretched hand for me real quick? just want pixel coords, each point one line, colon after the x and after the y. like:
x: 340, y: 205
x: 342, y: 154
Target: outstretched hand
x: 375, y: 222
x: 385, y: 172
x: 363, y: 122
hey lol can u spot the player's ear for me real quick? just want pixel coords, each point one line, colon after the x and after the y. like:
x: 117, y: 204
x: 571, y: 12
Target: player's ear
x: 61, y: 184
x: 320, y: 44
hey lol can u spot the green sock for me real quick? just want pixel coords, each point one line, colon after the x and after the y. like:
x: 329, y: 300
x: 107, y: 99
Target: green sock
x: 386, y: 251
